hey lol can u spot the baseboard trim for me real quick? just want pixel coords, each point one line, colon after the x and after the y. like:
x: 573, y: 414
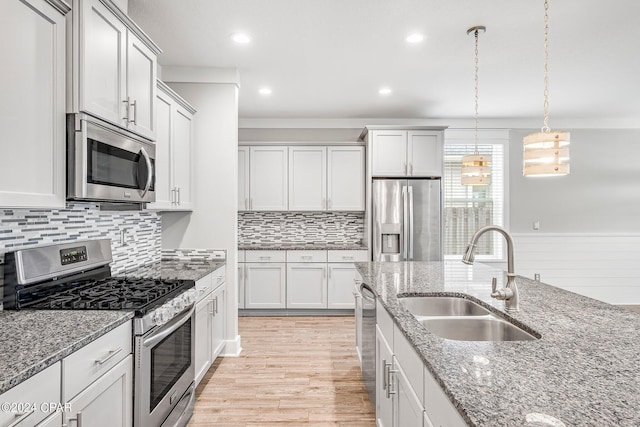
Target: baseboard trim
x: 232, y: 348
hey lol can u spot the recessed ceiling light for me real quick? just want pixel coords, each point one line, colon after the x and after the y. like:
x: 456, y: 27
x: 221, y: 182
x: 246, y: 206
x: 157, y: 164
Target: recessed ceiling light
x: 384, y: 91
x: 414, y: 38
x: 240, y: 38
x: 265, y: 91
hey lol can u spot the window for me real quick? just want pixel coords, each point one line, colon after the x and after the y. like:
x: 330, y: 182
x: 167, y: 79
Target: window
x: 467, y: 208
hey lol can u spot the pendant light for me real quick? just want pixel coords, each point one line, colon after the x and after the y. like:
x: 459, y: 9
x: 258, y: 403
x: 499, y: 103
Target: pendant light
x: 476, y: 167
x: 546, y: 153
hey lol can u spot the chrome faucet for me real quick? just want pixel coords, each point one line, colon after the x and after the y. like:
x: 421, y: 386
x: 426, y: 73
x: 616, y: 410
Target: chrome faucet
x: 510, y: 292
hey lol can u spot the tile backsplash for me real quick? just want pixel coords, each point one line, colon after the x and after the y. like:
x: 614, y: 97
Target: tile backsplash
x: 21, y: 228
x: 300, y: 227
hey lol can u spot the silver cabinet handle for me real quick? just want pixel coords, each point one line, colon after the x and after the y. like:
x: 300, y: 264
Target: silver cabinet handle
x: 77, y: 419
x: 308, y: 257
x: 135, y: 112
x: 265, y: 258
x: 127, y: 103
x: 212, y: 310
x: 410, y: 233
x: 405, y: 223
x: 215, y: 305
x: 173, y: 196
x: 110, y: 355
x: 389, y: 379
x: 20, y: 417
x: 178, y: 190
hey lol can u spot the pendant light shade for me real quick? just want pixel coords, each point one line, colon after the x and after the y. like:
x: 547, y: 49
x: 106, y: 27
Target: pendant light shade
x: 546, y: 153
x: 476, y: 167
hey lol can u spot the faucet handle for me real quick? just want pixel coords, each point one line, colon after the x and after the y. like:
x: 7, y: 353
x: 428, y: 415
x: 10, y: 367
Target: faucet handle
x: 494, y: 284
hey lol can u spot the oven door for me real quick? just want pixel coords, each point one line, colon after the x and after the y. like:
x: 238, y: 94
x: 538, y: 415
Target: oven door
x: 165, y: 373
x: 106, y: 164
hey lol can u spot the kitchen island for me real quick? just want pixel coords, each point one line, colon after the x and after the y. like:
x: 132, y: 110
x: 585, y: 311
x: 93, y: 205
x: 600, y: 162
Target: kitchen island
x: 584, y: 370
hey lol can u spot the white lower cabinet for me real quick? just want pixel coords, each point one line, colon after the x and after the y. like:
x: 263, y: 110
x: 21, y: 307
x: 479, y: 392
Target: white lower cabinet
x: 306, y: 285
x: 218, y: 299
x: 203, y: 335
x: 340, y: 285
x: 241, y: 285
x: 406, y: 392
x: 265, y: 285
x: 44, y: 387
x: 384, y: 391
x: 107, y: 402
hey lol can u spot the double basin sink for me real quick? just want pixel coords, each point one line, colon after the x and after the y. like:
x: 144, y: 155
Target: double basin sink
x: 461, y: 319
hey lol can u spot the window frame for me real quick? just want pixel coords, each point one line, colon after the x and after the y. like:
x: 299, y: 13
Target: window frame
x: 485, y: 136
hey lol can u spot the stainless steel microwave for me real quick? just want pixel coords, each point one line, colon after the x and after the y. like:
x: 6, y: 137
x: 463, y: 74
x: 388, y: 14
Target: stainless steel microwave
x: 108, y: 164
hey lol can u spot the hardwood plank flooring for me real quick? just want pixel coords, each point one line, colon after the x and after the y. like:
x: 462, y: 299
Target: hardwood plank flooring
x: 293, y: 371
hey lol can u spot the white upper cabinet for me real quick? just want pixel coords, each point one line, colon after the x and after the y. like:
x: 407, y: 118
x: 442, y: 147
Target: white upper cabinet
x: 115, y: 64
x: 307, y: 178
x: 411, y: 153
x: 425, y: 153
x: 32, y: 105
x: 243, y: 178
x: 268, y: 178
x: 174, y: 151
x: 389, y: 149
x: 345, y: 178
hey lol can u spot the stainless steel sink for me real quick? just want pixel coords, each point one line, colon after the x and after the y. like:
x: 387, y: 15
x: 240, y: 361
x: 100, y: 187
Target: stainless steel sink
x: 481, y: 328
x: 461, y: 319
x: 442, y: 306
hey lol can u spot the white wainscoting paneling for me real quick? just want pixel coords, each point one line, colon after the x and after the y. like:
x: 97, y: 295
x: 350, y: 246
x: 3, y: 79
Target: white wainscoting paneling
x: 601, y: 266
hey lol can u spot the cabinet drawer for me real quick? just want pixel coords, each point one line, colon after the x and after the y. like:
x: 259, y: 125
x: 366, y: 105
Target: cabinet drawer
x: 44, y: 387
x: 265, y: 256
x: 204, y: 286
x: 219, y: 276
x: 86, y: 365
x: 384, y: 322
x: 306, y: 256
x: 410, y: 362
x: 348, y: 256
x: 241, y: 255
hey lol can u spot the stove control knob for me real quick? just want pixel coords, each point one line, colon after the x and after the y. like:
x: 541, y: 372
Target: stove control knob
x: 160, y: 316
x: 189, y: 297
x: 178, y: 304
x: 170, y: 310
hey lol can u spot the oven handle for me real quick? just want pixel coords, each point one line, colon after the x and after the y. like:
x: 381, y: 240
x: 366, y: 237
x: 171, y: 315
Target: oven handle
x: 168, y: 329
x: 149, y: 170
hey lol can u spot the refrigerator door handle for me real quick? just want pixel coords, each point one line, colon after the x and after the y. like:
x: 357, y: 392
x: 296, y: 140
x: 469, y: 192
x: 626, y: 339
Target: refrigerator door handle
x: 410, y: 231
x: 405, y: 223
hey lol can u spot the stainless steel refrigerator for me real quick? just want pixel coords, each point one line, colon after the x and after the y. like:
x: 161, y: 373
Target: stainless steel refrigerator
x: 407, y: 219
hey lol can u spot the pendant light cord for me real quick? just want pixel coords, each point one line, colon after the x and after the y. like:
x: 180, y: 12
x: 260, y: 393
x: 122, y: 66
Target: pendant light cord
x: 476, y: 90
x: 545, y: 127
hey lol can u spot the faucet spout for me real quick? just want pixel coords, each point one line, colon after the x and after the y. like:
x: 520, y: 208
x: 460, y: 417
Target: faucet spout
x: 510, y: 292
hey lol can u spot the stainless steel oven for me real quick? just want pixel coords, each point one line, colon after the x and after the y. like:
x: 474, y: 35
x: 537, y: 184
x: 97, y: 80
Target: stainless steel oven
x: 164, y: 372
x: 106, y: 163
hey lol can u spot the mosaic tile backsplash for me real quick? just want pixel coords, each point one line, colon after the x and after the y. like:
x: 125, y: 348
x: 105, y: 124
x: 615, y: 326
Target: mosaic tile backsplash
x: 21, y: 228
x: 300, y: 227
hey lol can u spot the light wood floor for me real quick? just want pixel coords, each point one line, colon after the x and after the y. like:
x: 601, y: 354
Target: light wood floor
x: 293, y: 371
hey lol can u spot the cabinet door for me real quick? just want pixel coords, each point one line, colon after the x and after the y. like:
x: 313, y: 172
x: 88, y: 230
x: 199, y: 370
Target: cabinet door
x: 54, y: 420
x: 182, y: 154
x: 203, y: 334
x: 389, y: 152
x: 240, y: 285
x: 307, y: 178
x: 384, y: 398
x: 345, y: 178
x: 141, y: 86
x: 340, y: 285
x: 163, y: 163
x: 407, y: 408
x: 306, y: 285
x: 268, y: 179
x: 243, y: 178
x: 217, y: 334
x: 32, y: 111
x: 425, y: 153
x: 103, y: 45
x: 265, y: 285
x: 107, y: 401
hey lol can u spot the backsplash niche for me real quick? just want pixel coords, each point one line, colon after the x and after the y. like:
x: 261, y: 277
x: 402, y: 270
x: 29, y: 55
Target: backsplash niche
x: 300, y: 227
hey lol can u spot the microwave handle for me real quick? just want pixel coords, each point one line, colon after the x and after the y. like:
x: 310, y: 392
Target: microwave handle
x: 149, y: 170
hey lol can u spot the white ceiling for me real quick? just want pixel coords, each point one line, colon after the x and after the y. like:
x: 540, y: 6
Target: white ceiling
x: 328, y: 58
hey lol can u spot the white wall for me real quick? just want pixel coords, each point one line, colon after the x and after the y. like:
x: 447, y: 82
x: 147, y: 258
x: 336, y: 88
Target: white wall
x: 589, y: 237
x: 213, y: 222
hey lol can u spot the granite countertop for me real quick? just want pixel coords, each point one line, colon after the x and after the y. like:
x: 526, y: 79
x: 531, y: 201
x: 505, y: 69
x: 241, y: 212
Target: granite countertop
x: 33, y: 340
x: 193, y: 269
x: 585, y: 369
x: 301, y: 246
